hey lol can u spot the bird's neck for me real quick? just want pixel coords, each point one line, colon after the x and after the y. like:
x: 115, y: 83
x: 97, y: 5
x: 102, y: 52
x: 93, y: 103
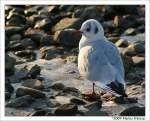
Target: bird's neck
x: 90, y: 41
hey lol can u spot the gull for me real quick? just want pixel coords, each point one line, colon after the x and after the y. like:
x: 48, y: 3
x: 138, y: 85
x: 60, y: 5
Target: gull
x: 99, y: 59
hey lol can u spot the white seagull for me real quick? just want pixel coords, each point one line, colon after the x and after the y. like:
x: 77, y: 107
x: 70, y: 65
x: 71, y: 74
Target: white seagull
x: 99, y: 60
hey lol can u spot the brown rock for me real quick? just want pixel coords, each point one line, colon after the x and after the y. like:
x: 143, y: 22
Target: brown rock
x: 33, y: 83
x: 67, y: 23
x: 138, y: 61
x: 67, y: 38
x: 121, y: 43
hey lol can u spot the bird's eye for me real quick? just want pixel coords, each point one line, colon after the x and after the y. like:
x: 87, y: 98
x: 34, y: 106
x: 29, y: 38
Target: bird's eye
x: 88, y: 29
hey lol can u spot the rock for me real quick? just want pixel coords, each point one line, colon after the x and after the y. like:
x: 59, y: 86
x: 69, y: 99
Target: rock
x: 130, y: 31
x: 133, y: 78
x: 94, y: 105
x: 9, y: 65
x: 113, y: 39
x: 44, y: 24
x: 94, y: 13
x: 47, y: 40
x: 125, y: 21
x: 13, y: 30
x: 42, y: 112
x: 95, y: 113
x: 7, y: 95
x: 90, y: 97
x: 33, y: 83
x: 67, y: 38
x: 54, y: 103
x: 78, y: 101
x: 71, y: 90
x: 21, y: 91
x: 57, y: 86
x: 121, y: 43
x: 39, y: 113
x: 15, y: 19
x: 50, y: 52
x: 33, y: 69
x: 138, y: 61
x: 25, y: 53
x: 71, y: 59
x: 35, y: 35
x: 124, y: 9
x: 15, y: 37
x: 125, y: 100
x: 8, y: 86
x: 20, y: 101
x: 67, y: 23
x: 135, y: 48
x: 133, y: 111
x: 27, y: 43
x: 62, y: 99
x: 127, y: 62
x: 66, y: 110
x: 15, y: 112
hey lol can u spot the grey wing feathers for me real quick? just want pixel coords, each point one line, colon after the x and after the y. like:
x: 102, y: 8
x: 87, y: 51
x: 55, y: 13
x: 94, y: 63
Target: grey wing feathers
x: 112, y: 53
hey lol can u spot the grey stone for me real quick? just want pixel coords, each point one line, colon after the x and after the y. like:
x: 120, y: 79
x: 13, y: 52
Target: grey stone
x: 20, y: 101
x: 21, y: 91
x: 66, y: 110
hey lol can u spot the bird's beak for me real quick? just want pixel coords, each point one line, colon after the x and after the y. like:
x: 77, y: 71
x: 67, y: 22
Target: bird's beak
x: 74, y: 31
x: 77, y: 32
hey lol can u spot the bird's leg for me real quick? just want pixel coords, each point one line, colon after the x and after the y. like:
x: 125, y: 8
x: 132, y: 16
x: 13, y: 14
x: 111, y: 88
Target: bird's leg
x: 93, y: 89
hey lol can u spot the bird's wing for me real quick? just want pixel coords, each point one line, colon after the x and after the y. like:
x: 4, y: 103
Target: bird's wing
x: 113, y: 55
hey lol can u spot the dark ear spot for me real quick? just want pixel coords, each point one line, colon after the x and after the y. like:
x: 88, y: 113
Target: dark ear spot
x: 96, y: 30
x: 88, y: 29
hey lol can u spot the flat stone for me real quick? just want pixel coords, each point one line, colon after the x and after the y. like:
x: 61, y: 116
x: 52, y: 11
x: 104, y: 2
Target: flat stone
x: 138, y: 61
x: 78, y: 101
x: 133, y: 111
x: 121, y: 43
x: 94, y: 105
x: 67, y: 23
x: 21, y: 91
x: 33, y: 83
x: 15, y: 112
x: 57, y: 86
x: 66, y: 110
x: 66, y: 38
x: 130, y: 31
x: 20, y: 102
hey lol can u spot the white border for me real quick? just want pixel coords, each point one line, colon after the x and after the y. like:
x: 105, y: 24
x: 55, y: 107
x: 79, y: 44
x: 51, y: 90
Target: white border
x: 71, y: 2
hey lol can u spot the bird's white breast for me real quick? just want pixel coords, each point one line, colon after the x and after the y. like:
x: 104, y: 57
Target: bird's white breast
x: 83, y: 62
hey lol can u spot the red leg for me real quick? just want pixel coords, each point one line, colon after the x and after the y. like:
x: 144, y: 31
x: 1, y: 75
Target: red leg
x: 93, y: 91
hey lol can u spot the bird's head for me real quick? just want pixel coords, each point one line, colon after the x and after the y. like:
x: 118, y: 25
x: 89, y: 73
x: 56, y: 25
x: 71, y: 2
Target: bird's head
x: 92, y: 29
x: 89, y: 29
